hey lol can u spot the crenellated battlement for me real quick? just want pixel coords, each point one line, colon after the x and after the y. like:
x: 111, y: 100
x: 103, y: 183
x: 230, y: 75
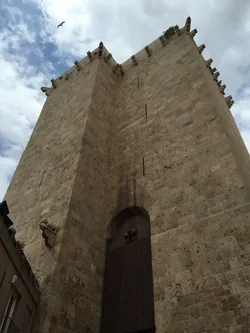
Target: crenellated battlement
x: 120, y: 70
x: 100, y: 53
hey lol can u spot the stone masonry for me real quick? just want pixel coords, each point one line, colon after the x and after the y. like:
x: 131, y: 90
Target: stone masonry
x: 155, y: 132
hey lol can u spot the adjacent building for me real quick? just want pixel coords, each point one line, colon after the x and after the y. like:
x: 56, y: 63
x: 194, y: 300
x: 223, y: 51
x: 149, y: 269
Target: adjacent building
x: 19, y: 292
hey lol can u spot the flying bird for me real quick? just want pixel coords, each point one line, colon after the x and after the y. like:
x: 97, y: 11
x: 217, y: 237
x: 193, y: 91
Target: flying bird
x: 61, y: 24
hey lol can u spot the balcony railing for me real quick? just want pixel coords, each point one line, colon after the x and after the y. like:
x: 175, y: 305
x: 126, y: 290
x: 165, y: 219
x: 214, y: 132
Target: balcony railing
x: 8, y: 326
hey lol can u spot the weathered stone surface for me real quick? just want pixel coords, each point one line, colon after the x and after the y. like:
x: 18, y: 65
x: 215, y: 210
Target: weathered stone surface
x: 161, y: 137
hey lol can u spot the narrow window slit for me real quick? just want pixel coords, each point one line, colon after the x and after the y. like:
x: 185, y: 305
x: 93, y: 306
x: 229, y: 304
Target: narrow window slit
x: 134, y: 191
x: 69, y: 94
x: 59, y: 124
x: 42, y: 178
x: 146, y: 111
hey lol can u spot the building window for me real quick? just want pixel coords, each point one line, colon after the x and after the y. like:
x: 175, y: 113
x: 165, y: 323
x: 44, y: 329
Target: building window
x: 7, y: 324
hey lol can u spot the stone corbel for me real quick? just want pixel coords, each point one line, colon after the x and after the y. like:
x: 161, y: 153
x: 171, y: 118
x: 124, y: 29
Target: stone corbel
x: 222, y: 89
x: 229, y: 100
x: 201, y: 48
x: 78, y: 65
x: 46, y: 90
x: 121, y: 69
x: 213, y: 70
x: 134, y: 60
x: 118, y: 67
x: 49, y: 232
x: 170, y: 32
x: 209, y: 62
x: 90, y: 55
x: 162, y: 40
x: 108, y: 57
x: 100, y: 49
x: 115, y: 68
x: 193, y: 33
x: 216, y: 75
x: 149, y: 53
x: 54, y: 84
x: 188, y: 24
x: 177, y: 30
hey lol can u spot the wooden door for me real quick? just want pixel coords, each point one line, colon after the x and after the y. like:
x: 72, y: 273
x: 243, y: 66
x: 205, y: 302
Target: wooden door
x: 128, y: 304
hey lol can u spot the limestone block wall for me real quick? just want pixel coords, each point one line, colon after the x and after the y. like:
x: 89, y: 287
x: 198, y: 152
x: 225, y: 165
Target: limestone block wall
x: 201, y: 274
x: 43, y: 182
x: 178, y: 153
x: 170, y: 136
x: 78, y: 277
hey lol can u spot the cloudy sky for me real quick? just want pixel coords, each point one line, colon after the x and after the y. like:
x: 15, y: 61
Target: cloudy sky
x: 33, y: 51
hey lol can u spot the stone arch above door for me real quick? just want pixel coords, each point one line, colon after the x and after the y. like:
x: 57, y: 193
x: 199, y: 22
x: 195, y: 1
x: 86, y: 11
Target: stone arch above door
x: 124, y: 215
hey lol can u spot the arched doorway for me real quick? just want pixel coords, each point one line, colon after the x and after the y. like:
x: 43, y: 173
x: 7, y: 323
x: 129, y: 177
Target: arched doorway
x: 128, y: 302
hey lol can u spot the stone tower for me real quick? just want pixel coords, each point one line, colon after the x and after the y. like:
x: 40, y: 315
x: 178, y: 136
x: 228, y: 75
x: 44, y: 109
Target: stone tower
x: 150, y: 145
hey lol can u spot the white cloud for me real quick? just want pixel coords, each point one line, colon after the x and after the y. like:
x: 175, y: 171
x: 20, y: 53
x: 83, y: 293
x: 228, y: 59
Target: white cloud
x: 124, y: 27
x: 21, y: 100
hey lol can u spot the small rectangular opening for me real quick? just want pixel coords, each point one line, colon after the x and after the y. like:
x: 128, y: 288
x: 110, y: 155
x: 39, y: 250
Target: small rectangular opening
x: 146, y: 111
